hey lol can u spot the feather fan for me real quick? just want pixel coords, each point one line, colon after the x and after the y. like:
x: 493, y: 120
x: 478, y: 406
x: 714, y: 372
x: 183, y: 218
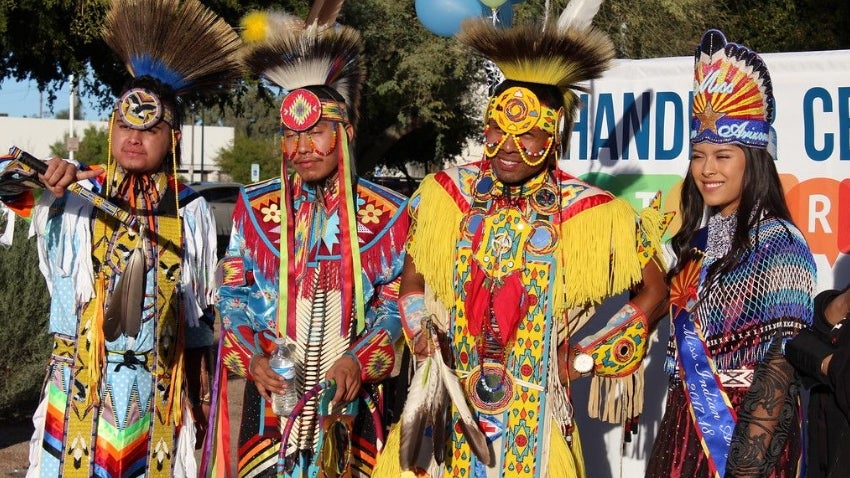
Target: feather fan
x: 124, y: 314
x: 426, y: 406
x: 473, y: 434
x: 433, y: 385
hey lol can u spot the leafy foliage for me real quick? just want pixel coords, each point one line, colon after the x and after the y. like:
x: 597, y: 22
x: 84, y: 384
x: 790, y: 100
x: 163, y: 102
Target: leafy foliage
x: 93, y: 146
x: 419, y: 103
x: 246, y: 150
x: 672, y: 29
x: 47, y: 40
x: 257, y: 130
x: 24, y: 309
x: 420, y: 107
x: 790, y: 25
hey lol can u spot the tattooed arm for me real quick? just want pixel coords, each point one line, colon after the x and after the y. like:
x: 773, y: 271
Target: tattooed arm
x: 765, y: 418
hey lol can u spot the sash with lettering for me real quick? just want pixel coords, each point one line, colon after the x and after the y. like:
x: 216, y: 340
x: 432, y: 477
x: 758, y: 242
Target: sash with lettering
x: 712, y: 413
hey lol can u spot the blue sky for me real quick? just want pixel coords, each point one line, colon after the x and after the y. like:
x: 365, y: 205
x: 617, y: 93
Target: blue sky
x: 19, y: 99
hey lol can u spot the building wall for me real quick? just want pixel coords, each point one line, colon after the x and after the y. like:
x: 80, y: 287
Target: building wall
x: 200, y: 144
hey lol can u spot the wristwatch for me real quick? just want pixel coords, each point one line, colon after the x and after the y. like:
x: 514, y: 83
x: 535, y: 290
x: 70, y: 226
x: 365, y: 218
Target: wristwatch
x: 583, y: 363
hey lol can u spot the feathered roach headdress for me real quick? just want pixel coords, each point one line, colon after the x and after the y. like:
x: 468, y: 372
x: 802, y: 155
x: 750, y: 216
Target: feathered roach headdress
x: 171, y: 49
x: 733, y: 95
x: 320, y: 66
x: 313, y: 55
x: 560, y: 55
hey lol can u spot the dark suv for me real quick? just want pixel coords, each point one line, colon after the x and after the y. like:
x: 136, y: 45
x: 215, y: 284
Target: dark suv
x: 221, y: 198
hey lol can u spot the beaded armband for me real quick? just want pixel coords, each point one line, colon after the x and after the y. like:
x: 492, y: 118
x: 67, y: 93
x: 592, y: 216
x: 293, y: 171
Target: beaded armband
x: 412, y: 309
x: 620, y: 347
x: 375, y: 354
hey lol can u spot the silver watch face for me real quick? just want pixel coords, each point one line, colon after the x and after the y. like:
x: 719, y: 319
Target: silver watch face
x: 583, y: 363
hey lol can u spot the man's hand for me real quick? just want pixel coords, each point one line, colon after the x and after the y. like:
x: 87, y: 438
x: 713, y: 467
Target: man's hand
x: 266, y: 379
x: 423, y: 346
x: 565, y: 363
x: 346, y: 373
x: 60, y: 174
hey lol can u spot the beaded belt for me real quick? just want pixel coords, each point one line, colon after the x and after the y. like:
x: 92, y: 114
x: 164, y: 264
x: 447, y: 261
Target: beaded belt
x: 736, y: 378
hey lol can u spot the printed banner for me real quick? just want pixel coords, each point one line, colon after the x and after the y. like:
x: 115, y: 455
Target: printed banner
x: 631, y: 137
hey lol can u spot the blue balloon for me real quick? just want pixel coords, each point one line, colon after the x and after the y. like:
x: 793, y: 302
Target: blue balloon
x: 443, y: 17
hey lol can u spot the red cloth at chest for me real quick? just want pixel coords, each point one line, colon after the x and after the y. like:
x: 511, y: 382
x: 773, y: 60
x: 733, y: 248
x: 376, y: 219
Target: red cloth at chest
x: 508, y: 295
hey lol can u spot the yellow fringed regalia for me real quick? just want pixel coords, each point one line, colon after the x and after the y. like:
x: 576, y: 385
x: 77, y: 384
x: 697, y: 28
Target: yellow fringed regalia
x: 578, y: 236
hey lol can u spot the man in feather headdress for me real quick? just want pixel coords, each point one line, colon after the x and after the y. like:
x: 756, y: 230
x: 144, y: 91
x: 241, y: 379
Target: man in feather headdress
x: 314, y: 257
x: 128, y: 286
x: 507, y: 257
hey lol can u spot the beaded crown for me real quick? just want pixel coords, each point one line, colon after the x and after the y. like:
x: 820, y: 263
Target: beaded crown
x: 733, y: 95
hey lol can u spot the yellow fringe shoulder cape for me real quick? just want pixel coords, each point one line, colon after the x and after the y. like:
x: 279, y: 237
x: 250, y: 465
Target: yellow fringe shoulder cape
x: 601, y: 251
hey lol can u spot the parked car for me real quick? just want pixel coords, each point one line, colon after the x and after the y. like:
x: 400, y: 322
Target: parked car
x: 222, y: 199
x: 401, y: 185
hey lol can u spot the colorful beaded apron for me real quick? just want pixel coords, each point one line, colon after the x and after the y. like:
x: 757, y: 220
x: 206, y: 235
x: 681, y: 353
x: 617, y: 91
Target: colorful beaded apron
x: 509, y: 241
x: 87, y: 415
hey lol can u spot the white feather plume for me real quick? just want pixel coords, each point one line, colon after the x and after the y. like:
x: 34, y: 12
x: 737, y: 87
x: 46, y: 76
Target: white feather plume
x: 578, y: 14
x: 426, y: 406
x: 476, y: 438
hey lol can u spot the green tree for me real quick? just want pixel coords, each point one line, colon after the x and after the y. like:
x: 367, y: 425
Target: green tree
x: 790, y: 25
x: 643, y: 28
x: 420, y: 105
x: 659, y: 28
x: 93, y: 146
x: 417, y: 101
x: 246, y: 150
x: 256, y: 122
x: 24, y: 309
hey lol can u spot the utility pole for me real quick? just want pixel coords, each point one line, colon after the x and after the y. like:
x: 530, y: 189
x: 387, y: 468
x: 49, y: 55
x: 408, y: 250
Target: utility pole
x: 203, y: 173
x: 71, y: 145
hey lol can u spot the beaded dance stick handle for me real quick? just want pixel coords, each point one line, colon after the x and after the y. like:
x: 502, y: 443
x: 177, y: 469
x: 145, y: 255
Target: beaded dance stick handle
x: 325, y: 386
x: 95, y: 199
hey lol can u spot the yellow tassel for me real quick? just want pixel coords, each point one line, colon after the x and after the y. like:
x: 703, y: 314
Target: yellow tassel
x: 174, y: 405
x: 255, y: 27
x: 387, y: 464
x: 437, y: 233
x: 97, y: 344
x: 565, y: 461
x: 604, y: 267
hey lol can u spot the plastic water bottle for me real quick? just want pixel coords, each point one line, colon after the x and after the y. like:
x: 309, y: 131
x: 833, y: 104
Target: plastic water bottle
x: 282, y: 364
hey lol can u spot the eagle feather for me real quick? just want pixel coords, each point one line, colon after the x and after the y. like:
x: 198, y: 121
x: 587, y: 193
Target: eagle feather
x: 124, y: 314
x: 433, y: 385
